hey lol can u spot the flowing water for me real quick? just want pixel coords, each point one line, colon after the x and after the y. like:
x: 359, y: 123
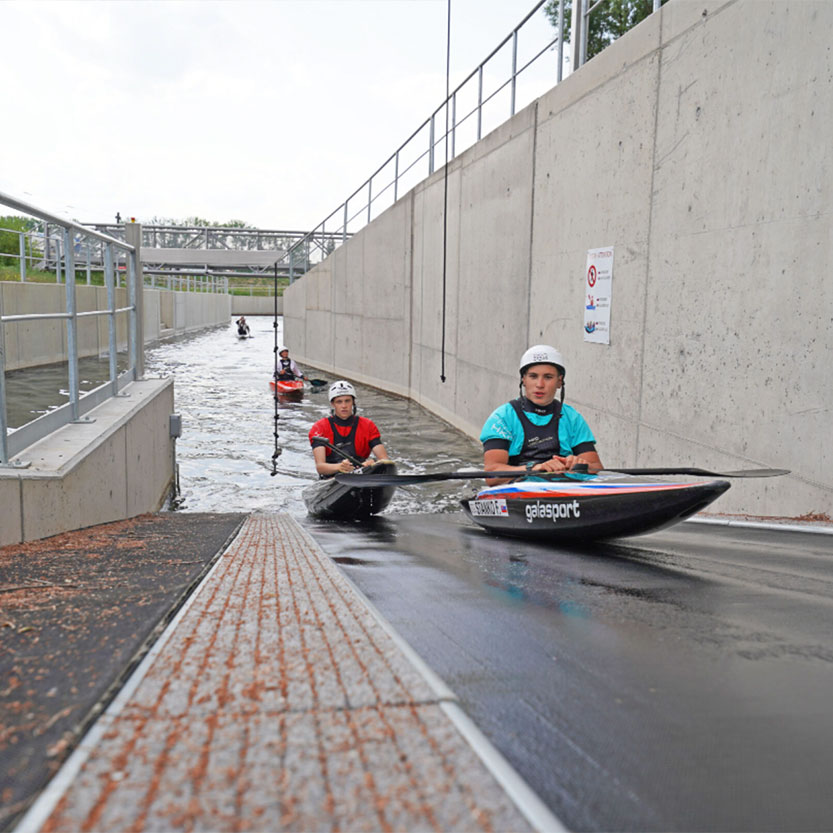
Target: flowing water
x: 221, y: 388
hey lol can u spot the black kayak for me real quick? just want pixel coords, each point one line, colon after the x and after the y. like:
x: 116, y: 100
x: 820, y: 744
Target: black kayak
x: 337, y: 501
x: 581, y: 507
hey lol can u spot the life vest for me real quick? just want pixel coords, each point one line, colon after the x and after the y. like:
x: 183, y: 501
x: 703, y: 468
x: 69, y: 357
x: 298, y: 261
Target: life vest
x: 285, y: 371
x: 346, y: 444
x: 540, y: 441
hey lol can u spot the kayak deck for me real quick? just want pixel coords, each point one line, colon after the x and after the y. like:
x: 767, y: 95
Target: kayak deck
x: 588, y: 507
x: 337, y: 501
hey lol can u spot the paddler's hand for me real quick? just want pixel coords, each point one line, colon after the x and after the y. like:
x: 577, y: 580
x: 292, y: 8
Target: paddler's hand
x: 344, y: 467
x: 368, y: 462
x: 555, y: 463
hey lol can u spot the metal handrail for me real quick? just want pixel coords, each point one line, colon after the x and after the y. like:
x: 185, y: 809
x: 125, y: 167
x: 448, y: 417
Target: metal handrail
x: 583, y: 10
x: 12, y: 444
x: 433, y: 142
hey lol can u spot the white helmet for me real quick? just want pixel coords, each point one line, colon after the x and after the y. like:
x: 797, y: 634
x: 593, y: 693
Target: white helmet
x: 282, y: 348
x: 542, y: 354
x: 342, y: 388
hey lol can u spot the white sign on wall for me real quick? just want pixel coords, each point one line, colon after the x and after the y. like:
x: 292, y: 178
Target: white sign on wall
x: 598, y: 283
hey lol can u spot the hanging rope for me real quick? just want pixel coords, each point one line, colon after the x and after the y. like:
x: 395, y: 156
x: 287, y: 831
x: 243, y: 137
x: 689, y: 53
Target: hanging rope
x: 445, y: 180
x: 277, y: 452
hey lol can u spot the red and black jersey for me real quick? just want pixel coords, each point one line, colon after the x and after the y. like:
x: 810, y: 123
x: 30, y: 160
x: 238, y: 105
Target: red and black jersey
x: 356, y: 436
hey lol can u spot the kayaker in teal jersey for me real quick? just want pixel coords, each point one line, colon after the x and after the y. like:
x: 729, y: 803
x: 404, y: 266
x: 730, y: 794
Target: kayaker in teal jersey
x: 535, y: 432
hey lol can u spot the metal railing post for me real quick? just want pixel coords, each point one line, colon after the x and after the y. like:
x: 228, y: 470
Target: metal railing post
x: 576, y: 35
x: 560, y: 71
x: 58, y: 260
x: 131, y: 302
x: 431, y: 146
x: 453, y: 125
x: 396, y: 178
x: 72, y: 325
x: 22, y: 258
x: 514, y: 71
x: 133, y: 236
x: 109, y: 282
x: 369, y: 196
x: 479, y: 102
x: 4, y: 442
x: 344, y: 228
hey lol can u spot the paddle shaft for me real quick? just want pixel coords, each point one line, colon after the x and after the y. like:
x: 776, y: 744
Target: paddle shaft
x: 349, y: 457
x: 404, y: 479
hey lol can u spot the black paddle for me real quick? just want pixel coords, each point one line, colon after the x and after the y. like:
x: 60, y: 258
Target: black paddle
x: 318, y: 385
x: 344, y: 454
x: 370, y: 480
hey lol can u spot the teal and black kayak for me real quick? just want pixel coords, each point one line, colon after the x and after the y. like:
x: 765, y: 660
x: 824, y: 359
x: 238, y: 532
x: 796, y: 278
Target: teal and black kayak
x: 579, y: 507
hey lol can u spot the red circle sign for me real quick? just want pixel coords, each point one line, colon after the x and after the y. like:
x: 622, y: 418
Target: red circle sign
x: 591, y: 276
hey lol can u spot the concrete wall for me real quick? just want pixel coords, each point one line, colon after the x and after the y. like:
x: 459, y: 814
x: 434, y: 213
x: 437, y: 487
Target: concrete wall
x: 254, y: 305
x: 33, y: 343
x: 119, y: 466
x: 696, y: 146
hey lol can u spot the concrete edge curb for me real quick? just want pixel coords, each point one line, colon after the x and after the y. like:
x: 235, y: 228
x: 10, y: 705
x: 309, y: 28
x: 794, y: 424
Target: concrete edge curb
x: 520, y: 793
x: 774, y: 527
x: 45, y: 803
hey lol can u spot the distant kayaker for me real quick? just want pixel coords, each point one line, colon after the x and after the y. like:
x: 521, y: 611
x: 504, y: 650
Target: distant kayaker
x: 355, y: 435
x: 535, y: 432
x: 287, y: 369
x: 242, y: 326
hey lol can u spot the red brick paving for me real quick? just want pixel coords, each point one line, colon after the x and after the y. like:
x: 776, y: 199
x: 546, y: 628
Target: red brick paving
x: 278, y: 702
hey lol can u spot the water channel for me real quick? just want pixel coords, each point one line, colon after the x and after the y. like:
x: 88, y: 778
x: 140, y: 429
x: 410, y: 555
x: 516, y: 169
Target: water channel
x: 221, y: 389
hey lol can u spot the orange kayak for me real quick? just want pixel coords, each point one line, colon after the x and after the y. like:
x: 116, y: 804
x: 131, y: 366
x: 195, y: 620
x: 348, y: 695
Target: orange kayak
x: 287, y: 385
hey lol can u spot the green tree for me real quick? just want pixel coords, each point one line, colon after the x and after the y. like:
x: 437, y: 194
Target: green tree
x: 608, y: 21
x: 10, y: 225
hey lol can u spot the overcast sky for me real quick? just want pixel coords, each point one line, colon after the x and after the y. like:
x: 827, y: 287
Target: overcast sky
x: 270, y: 112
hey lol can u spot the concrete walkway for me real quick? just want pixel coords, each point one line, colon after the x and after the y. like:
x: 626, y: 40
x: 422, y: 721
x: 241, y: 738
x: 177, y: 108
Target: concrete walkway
x: 277, y: 700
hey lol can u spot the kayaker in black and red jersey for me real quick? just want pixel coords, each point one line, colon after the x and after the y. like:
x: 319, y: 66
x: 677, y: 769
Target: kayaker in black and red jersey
x: 287, y: 370
x: 355, y: 435
x: 535, y: 432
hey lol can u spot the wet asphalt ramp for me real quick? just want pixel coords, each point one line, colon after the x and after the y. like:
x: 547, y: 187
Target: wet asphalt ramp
x: 676, y: 681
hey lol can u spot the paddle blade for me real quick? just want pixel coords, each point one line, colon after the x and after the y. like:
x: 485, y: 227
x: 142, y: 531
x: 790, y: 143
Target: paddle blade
x: 704, y: 472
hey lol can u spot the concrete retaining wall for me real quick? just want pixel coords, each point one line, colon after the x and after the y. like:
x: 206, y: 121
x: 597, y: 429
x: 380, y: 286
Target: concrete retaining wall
x: 697, y: 147
x: 255, y: 305
x: 33, y: 343
x: 119, y: 466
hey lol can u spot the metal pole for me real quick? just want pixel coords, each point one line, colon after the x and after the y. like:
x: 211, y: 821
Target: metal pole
x: 133, y: 236
x: 479, y: 101
x: 576, y: 35
x: 453, y: 125
x: 514, y: 68
x: 112, y: 350
x: 58, y: 260
x: 344, y: 228
x: 89, y: 263
x: 131, y: 302
x: 395, y: 180
x: 4, y: 443
x: 22, y: 258
x: 560, y: 40
x: 431, y: 147
x: 72, y: 325
x: 369, y: 197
